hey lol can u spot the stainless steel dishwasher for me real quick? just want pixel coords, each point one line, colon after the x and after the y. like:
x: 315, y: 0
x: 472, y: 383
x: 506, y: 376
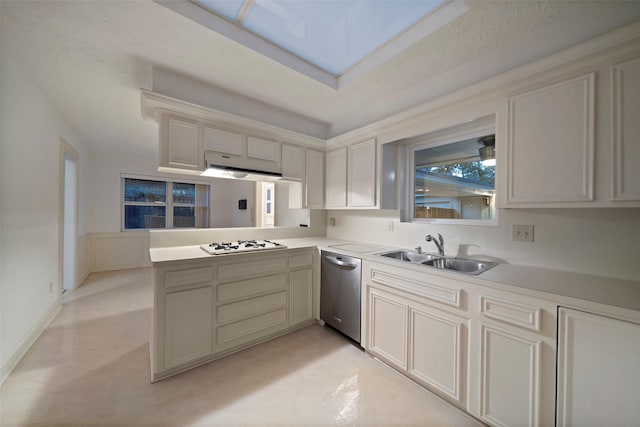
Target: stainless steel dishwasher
x: 340, y: 293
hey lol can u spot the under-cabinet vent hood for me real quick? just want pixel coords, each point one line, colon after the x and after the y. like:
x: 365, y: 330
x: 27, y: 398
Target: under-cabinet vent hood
x: 219, y: 165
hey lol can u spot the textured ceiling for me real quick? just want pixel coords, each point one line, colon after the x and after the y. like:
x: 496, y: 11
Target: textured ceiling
x: 92, y: 57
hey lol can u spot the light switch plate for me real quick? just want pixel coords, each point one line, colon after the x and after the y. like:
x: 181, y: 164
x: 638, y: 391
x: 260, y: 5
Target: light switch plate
x: 522, y: 233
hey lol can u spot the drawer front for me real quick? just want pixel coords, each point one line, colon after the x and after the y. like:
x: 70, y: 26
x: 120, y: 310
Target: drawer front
x: 431, y: 291
x: 253, y: 267
x: 247, y: 327
x: 251, y: 307
x: 300, y: 260
x: 252, y: 287
x: 192, y: 276
x: 512, y: 313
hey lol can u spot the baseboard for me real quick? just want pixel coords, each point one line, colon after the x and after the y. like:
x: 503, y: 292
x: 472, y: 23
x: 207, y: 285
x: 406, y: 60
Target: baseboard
x: 9, y: 365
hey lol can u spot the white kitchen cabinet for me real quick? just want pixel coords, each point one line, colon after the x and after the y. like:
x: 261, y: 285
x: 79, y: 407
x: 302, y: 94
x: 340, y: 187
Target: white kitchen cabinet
x: 207, y: 309
x: 300, y: 296
x: 387, y: 325
x: 293, y: 162
x: 550, y: 143
x: 336, y: 178
x: 351, y: 176
x: 625, y: 94
x: 264, y: 150
x: 411, y: 324
x: 515, y: 347
x: 223, y: 141
x: 188, y: 325
x: 437, y: 351
x: 598, y: 373
x: 179, y: 143
x: 314, y: 180
x: 361, y: 187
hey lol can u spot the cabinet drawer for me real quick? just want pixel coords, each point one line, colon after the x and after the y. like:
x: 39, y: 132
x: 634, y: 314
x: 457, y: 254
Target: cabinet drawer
x: 250, y: 326
x: 301, y: 260
x: 252, y: 287
x: 251, y: 307
x: 516, y: 314
x: 192, y: 276
x: 253, y: 267
x: 431, y: 291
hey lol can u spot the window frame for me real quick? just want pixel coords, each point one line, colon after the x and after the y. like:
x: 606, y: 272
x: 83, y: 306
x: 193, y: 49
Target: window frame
x: 168, y: 204
x: 435, y: 139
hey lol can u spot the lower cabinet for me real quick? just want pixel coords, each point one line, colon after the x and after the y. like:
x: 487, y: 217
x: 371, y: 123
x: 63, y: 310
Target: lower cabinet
x: 205, y: 310
x: 515, y: 344
x: 188, y: 325
x: 598, y: 373
x: 427, y: 344
x: 300, y: 296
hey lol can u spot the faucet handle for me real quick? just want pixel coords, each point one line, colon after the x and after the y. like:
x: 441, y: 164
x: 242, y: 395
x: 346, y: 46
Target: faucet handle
x: 419, y: 249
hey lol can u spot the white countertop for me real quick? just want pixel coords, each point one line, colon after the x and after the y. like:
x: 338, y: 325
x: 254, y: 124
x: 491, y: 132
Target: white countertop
x: 531, y: 280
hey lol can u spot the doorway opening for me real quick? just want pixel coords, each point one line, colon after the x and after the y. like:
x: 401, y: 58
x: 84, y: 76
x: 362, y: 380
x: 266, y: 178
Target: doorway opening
x: 69, y: 215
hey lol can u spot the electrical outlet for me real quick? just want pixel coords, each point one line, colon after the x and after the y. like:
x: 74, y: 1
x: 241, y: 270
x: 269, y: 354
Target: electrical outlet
x: 332, y: 222
x: 522, y: 233
x: 390, y: 226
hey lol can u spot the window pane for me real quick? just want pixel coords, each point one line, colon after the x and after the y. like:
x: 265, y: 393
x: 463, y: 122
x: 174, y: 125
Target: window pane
x: 144, y: 217
x: 144, y: 190
x: 184, y: 217
x: 184, y: 193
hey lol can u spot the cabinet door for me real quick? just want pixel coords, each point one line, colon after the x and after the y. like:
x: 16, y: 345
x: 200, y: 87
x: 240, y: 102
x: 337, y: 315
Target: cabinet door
x: 362, y: 174
x: 336, y: 187
x: 314, y: 180
x: 510, y: 378
x: 179, y: 146
x: 300, y: 293
x: 223, y: 141
x: 626, y: 132
x: 550, y: 144
x: 189, y: 323
x: 387, y: 323
x: 437, y: 350
x: 262, y: 149
x: 598, y: 373
x: 292, y: 162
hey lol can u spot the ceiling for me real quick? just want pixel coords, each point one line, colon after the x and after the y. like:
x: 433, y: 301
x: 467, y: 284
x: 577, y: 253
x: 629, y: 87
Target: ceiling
x: 92, y: 57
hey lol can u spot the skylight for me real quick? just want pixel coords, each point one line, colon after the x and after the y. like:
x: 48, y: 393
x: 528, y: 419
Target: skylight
x: 332, y: 41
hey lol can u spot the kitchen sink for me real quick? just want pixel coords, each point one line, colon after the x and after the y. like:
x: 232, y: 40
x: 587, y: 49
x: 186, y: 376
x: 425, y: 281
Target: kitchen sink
x: 461, y: 265
x: 411, y: 256
x: 468, y: 266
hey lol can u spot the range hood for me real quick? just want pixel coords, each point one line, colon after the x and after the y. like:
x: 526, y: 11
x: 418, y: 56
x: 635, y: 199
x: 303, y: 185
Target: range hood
x: 231, y: 167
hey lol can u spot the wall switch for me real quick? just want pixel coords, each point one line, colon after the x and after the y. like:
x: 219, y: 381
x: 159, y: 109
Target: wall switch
x: 390, y: 226
x: 332, y: 222
x: 50, y: 287
x: 522, y: 233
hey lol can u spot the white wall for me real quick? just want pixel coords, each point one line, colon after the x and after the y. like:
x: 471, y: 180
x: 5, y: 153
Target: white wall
x: 31, y: 132
x: 602, y: 242
x: 286, y: 217
x: 225, y: 194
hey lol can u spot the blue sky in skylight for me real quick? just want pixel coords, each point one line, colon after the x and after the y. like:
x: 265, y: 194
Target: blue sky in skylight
x: 332, y: 34
x: 227, y: 8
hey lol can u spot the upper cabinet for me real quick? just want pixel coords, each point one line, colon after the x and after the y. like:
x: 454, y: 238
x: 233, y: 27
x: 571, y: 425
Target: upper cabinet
x: 625, y: 134
x: 180, y: 143
x: 574, y: 142
x: 550, y: 143
x: 293, y: 162
x: 314, y: 179
x: 352, y: 176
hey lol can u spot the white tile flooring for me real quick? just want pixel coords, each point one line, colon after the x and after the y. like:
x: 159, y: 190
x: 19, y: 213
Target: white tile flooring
x: 91, y: 368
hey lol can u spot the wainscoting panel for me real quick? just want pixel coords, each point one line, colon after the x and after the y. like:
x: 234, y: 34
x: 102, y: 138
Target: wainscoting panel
x: 117, y: 251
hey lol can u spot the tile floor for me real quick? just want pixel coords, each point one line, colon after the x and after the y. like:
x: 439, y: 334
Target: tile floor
x: 91, y: 368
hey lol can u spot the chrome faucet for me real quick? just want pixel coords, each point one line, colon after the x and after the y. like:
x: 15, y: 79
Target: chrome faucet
x: 439, y: 242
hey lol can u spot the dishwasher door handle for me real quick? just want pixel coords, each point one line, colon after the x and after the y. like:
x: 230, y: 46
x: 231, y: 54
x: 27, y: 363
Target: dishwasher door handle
x: 336, y: 261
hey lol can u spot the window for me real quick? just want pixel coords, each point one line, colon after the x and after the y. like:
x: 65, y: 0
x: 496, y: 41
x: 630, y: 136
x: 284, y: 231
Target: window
x: 453, y: 175
x: 148, y: 203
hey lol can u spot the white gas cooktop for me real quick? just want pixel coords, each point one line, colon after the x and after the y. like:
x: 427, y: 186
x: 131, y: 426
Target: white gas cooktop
x: 241, y: 246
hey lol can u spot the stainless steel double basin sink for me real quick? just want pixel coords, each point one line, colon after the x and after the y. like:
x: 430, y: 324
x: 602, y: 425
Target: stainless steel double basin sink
x: 461, y: 265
